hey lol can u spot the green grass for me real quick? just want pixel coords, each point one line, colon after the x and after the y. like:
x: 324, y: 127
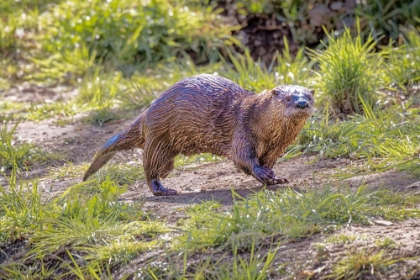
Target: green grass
x: 359, y: 264
x: 15, y: 153
x: 290, y: 214
x: 349, y: 72
x: 86, y: 224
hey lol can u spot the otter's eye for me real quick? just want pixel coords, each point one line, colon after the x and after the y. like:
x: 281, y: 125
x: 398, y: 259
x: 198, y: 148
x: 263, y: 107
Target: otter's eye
x: 309, y: 98
x: 288, y: 98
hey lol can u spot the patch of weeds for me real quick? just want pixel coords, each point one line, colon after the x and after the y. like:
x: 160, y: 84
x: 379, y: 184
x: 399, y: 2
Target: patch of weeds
x: 64, y: 66
x: 142, y: 88
x: 255, y: 264
x: 386, y: 139
x: 87, y: 221
x: 349, y: 72
x: 101, y: 116
x: 9, y: 110
x: 293, y: 69
x: 256, y: 77
x: 122, y: 174
x: 248, y: 73
x: 22, y: 271
x: 17, y: 153
x: 401, y: 66
x: 21, y: 209
x: 360, y: 264
x: 63, y: 122
x: 341, y: 239
x: 69, y: 170
x: 144, y: 32
x: 321, y: 251
x: 289, y: 214
x: 394, y: 206
x: 386, y: 244
x: 51, y: 110
x: 98, y: 90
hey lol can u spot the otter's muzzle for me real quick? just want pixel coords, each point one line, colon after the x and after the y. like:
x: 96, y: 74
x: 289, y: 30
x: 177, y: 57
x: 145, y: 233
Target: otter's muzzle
x: 302, y: 104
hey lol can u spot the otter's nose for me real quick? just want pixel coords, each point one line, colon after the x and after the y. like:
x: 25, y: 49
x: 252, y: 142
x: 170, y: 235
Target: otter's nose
x: 302, y: 104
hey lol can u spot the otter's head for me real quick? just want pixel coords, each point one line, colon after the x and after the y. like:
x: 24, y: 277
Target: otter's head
x: 297, y: 101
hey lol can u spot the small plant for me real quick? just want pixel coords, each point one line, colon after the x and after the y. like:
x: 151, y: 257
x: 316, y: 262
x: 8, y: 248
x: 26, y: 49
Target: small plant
x: 386, y: 243
x: 101, y: 116
x: 122, y: 174
x: 349, y: 72
x: 256, y: 77
x: 360, y: 264
x: 403, y: 69
x: 14, y: 153
x: 341, y: 239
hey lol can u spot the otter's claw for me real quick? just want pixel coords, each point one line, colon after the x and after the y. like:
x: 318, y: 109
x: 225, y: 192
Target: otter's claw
x: 281, y: 181
x: 159, y: 190
x: 266, y: 176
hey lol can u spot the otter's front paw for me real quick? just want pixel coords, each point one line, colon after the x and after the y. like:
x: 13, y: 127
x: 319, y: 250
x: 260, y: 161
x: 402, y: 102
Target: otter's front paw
x: 267, y: 176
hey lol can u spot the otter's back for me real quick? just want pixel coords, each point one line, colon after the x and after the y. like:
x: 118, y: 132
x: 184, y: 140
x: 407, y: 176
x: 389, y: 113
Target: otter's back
x: 197, y: 114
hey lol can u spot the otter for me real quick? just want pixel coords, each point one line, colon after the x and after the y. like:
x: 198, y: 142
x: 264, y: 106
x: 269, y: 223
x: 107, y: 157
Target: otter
x: 211, y: 114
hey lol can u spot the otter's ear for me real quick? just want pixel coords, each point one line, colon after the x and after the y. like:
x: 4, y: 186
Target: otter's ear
x: 312, y: 91
x: 276, y: 91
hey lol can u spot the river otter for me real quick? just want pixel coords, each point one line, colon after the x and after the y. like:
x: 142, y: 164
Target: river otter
x: 211, y: 114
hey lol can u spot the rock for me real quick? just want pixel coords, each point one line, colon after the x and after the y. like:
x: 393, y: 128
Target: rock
x: 336, y: 6
x: 319, y: 15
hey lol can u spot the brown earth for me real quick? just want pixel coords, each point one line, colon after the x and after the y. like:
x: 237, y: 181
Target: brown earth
x: 215, y: 181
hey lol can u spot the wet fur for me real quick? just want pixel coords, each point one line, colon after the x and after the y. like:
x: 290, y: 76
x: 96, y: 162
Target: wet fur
x: 211, y: 114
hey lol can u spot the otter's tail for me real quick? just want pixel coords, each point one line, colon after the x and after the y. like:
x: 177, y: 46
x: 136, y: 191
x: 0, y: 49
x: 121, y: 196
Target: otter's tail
x: 130, y: 138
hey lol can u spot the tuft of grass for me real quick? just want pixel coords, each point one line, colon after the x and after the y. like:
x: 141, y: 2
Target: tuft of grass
x: 349, y: 72
x: 122, y: 174
x: 402, y: 69
x: 341, y: 239
x: 255, y: 76
x: 360, y: 264
x: 16, y: 153
x: 386, y: 244
x: 293, y: 69
x: 101, y: 116
x: 21, y: 209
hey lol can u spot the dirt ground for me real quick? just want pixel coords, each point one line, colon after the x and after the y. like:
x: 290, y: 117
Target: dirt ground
x: 214, y: 181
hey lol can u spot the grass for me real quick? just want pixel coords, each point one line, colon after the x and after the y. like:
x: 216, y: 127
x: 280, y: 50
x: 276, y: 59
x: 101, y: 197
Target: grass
x: 361, y: 264
x: 86, y: 224
x: 349, y: 72
x: 289, y: 214
x: 15, y: 153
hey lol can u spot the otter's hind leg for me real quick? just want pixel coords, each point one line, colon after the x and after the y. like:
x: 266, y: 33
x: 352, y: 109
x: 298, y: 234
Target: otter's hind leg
x: 158, y: 162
